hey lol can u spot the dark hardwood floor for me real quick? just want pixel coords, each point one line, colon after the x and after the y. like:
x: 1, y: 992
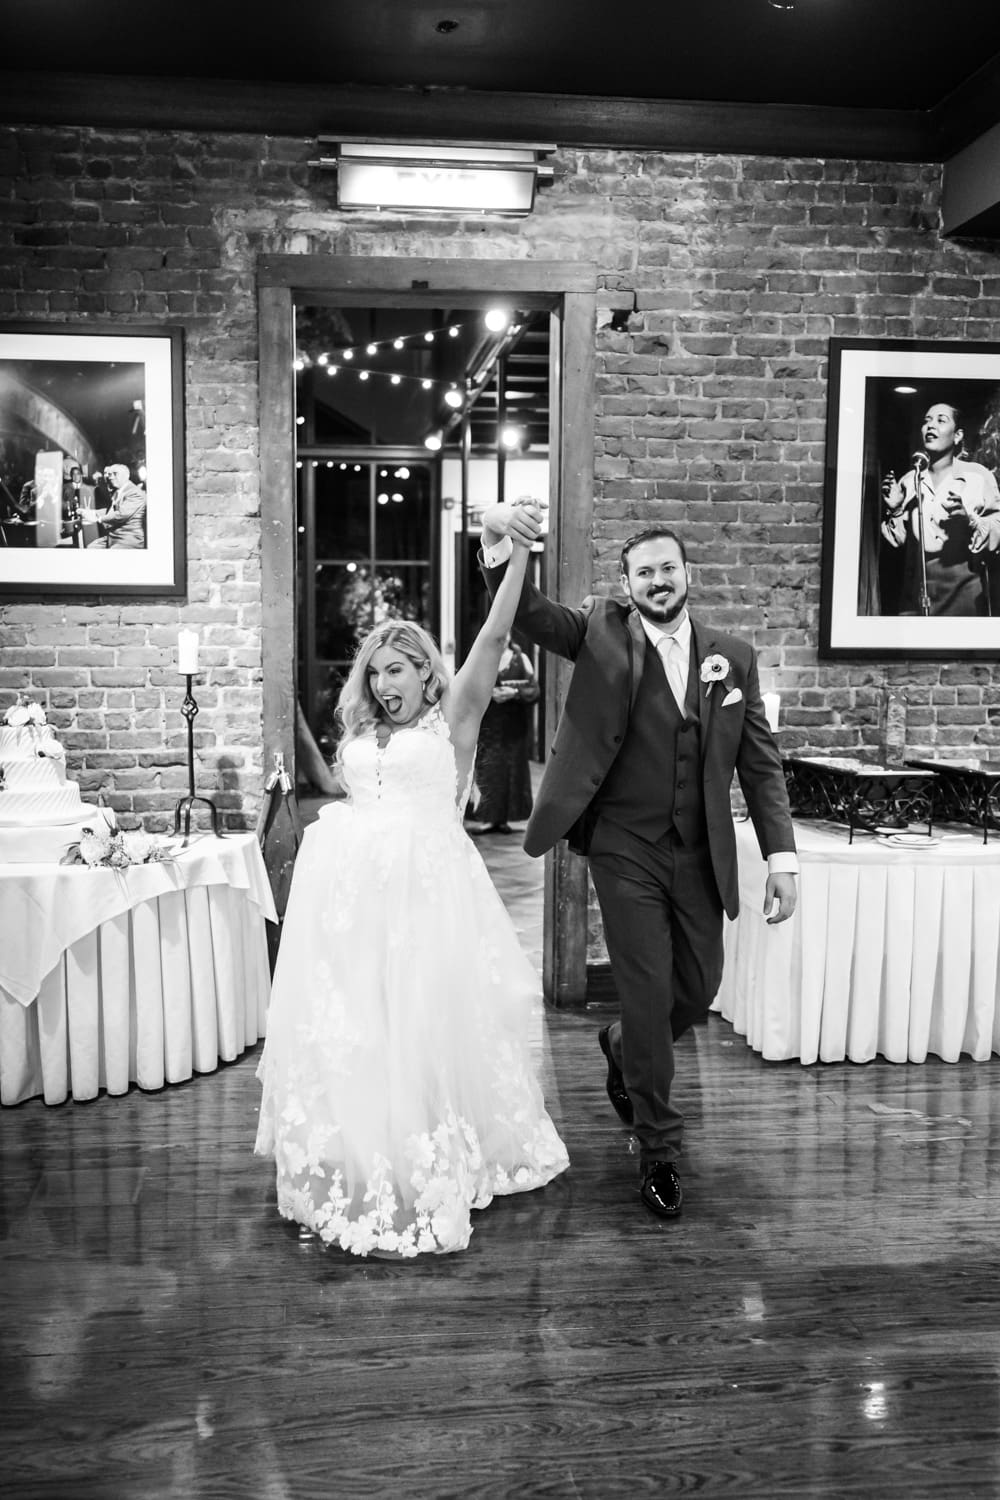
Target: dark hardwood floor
x: 824, y: 1320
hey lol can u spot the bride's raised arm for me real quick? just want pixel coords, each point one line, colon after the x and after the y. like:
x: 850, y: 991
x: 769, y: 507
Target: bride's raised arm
x: 473, y: 684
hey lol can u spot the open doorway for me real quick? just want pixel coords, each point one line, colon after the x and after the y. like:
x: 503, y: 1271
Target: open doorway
x: 565, y: 292
x: 410, y: 421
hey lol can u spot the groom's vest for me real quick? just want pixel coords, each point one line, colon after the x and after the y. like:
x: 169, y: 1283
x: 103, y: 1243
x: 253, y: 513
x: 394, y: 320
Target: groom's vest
x: 655, y: 782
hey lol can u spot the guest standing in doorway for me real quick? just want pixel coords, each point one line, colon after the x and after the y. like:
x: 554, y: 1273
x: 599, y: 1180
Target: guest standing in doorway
x: 503, y: 766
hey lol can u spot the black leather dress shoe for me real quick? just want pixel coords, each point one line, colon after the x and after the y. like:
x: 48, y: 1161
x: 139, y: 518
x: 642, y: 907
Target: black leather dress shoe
x: 616, y: 1083
x: 661, y: 1189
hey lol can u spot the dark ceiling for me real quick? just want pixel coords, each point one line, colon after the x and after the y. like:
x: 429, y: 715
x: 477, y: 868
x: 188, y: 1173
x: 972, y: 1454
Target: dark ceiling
x: 909, y: 79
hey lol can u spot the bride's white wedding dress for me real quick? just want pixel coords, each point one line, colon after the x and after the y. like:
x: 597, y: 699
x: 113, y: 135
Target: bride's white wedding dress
x: 399, y: 1087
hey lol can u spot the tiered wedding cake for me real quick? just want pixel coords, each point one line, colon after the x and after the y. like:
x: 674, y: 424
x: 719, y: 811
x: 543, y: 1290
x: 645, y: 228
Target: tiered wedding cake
x: 41, y: 813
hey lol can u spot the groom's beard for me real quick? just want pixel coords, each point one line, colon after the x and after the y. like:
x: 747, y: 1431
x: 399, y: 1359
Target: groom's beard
x: 664, y: 611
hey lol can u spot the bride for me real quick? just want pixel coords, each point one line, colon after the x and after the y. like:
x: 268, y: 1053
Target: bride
x: 399, y: 1091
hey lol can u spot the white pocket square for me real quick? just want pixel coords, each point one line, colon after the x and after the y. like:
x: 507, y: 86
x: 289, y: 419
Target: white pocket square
x: 733, y: 696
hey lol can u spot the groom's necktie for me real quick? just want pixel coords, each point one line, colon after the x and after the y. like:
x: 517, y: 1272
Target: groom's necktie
x: 676, y: 669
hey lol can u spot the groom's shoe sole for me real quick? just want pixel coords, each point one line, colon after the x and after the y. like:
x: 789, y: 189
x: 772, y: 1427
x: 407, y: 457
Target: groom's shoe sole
x: 617, y: 1093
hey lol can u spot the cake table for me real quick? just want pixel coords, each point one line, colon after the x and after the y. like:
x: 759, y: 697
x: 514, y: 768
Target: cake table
x: 143, y: 975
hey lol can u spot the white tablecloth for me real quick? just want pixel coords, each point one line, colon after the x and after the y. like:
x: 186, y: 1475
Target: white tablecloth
x: 891, y: 952
x: 143, y: 975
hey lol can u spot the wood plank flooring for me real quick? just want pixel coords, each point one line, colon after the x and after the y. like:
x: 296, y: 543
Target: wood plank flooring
x: 824, y: 1320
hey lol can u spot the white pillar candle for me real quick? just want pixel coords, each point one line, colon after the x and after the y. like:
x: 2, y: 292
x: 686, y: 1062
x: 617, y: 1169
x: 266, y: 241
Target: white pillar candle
x: 772, y: 703
x: 187, y: 651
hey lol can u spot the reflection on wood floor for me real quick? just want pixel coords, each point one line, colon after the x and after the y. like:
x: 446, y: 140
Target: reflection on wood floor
x: 822, y: 1322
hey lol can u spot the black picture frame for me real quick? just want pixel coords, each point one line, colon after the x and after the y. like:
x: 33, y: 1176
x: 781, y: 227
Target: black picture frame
x: 92, y: 397
x: 874, y: 600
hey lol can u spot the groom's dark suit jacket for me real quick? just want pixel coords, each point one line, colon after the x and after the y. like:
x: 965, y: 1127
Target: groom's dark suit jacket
x: 605, y: 640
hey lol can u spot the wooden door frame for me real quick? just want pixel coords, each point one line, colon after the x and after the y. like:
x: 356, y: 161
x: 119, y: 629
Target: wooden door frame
x: 568, y: 290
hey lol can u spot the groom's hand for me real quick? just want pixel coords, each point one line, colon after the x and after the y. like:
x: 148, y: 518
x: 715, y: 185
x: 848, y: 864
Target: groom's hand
x: 522, y: 522
x: 780, y: 890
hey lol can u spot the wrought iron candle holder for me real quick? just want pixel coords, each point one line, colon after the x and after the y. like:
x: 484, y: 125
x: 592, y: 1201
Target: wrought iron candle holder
x: 189, y: 709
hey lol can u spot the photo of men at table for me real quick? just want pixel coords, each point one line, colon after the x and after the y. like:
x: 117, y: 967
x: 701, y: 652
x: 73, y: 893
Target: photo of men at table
x: 930, y: 542
x: 72, y: 453
x: 105, y: 509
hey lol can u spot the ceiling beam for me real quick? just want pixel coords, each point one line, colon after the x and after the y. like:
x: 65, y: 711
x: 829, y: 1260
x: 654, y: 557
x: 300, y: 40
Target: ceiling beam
x: 970, y: 111
x: 572, y: 120
x: 970, y: 195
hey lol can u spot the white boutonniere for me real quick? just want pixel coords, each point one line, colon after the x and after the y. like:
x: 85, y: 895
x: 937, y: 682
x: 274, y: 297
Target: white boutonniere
x: 715, y: 669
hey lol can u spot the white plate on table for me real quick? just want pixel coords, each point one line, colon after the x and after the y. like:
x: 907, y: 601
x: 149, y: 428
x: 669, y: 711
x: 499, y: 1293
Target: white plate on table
x: 910, y: 840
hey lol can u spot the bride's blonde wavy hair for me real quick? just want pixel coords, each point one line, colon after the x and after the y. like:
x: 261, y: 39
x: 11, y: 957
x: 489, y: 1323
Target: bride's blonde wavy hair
x: 357, y: 709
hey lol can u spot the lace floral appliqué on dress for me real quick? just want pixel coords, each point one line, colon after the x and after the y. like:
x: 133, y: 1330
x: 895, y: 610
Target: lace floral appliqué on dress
x: 399, y: 1087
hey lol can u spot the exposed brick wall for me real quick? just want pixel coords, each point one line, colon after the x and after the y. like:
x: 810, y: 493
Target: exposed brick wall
x: 711, y: 403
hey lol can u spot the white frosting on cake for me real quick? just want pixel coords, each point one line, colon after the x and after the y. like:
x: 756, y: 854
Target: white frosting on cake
x: 41, y: 813
x: 34, y: 790
x: 27, y: 742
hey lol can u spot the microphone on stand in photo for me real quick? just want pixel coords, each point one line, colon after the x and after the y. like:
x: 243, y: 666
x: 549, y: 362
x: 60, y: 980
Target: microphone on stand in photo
x: 920, y: 463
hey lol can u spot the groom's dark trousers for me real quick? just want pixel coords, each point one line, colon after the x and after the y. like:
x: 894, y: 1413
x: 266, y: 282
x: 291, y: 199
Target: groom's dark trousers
x: 660, y: 904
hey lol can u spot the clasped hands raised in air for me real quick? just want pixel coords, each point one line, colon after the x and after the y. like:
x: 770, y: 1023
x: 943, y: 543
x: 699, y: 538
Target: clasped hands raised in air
x: 521, y: 520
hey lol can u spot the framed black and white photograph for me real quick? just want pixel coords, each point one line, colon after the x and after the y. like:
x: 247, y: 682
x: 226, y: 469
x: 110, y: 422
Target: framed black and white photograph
x: 91, y: 460
x: 911, y: 508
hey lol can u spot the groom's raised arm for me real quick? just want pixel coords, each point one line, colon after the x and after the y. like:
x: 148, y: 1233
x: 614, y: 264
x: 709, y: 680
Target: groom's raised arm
x: 554, y: 627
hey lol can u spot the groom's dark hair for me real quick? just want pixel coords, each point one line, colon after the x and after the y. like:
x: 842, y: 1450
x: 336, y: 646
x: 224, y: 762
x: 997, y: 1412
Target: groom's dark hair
x: 650, y: 535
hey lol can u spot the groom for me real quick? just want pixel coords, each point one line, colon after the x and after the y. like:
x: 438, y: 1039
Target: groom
x: 659, y: 713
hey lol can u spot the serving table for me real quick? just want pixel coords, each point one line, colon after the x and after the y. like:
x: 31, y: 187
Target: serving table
x: 965, y: 791
x: 857, y: 794
x: 143, y: 975
x: 893, y: 950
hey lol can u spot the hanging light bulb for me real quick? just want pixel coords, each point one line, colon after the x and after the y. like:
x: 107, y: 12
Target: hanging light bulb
x: 426, y: 384
x: 324, y: 359
x: 382, y: 498
x: 403, y: 473
x: 428, y: 337
x: 372, y: 349
x: 362, y: 374
x: 332, y: 369
x: 433, y: 441
x: 397, y: 343
x: 395, y: 379
x: 348, y: 353
x: 497, y: 319
x: 512, y: 437
x: 397, y: 496
x: 453, y: 331
x: 453, y: 398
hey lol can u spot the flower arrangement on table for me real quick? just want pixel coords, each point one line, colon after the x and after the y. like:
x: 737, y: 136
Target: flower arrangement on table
x: 115, y: 849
